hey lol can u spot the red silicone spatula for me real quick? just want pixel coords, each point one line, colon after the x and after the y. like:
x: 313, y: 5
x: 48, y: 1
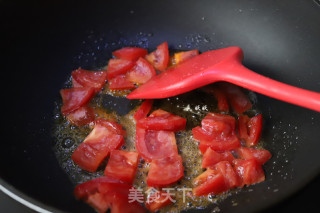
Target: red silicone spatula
x: 221, y: 65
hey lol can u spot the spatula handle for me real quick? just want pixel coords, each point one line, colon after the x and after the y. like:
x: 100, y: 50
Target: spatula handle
x: 267, y: 86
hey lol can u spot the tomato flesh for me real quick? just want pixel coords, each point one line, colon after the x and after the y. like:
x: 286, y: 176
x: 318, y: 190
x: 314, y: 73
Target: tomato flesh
x: 141, y: 72
x: 160, y: 57
x: 143, y: 110
x: 96, y: 147
x: 120, y: 82
x: 211, y: 157
x: 183, y: 56
x: 250, y: 128
x: 130, y: 53
x: 122, y: 165
x: 209, y: 182
x: 220, y: 95
x: 104, y: 193
x: 162, y: 120
x: 111, y: 125
x: 85, y: 78
x: 217, y: 132
x: 162, y: 199
x: 238, y: 100
x: 231, y: 178
x: 152, y: 144
x: 81, y: 116
x: 260, y: 155
x: 250, y: 171
x: 118, y: 67
x: 74, y: 98
x: 165, y: 171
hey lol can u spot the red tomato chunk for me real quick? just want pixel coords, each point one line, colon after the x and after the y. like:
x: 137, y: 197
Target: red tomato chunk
x: 141, y: 72
x: 165, y: 171
x: 160, y: 57
x: 74, y: 98
x: 211, y: 157
x: 183, y: 56
x: 96, y: 147
x: 158, y: 200
x: 250, y: 129
x: 85, y: 78
x: 122, y: 165
x: 143, y: 110
x: 120, y: 82
x: 162, y: 120
x: 118, y: 67
x: 130, y: 53
x: 82, y: 116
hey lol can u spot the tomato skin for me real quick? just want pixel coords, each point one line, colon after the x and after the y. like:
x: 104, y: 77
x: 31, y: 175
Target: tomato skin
x: 210, y: 183
x: 74, y: 98
x: 81, y: 116
x: 120, y: 82
x: 130, y: 53
x: 162, y: 120
x: 118, y: 67
x: 250, y: 171
x: 211, y: 157
x: 165, y: 171
x: 160, y: 57
x: 85, y: 78
x: 104, y: 193
x: 161, y: 202
x: 250, y: 129
x: 220, y: 95
x: 238, y: 100
x: 185, y: 55
x: 143, y: 110
x: 141, y: 72
x: 255, y: 127
x: 83, y: 190
x: 112, y: 126
x: 122, y: 165
x: 152, y: 144
x: 96, y: 147
x: 260, y: 155
x: 231, y: 178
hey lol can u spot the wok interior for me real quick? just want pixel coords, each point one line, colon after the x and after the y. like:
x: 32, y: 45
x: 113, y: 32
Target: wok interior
x: 44, y: 42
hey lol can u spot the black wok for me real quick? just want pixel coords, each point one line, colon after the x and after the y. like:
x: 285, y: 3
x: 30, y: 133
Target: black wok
x: 42, y: 42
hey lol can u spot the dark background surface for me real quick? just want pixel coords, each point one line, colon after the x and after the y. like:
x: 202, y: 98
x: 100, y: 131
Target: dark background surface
x: 42, y: 42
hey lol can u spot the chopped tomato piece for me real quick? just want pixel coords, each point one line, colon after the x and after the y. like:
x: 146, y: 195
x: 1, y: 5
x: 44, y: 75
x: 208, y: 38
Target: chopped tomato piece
x: 243, y: 126
x: 160, y: 57
x: 165, y: 171
x: 83, y: 190
x: 81, y: 116
x: 162, y: 120
x: 158, y: 200
x: 230, y: 176
x: 74, y: 98
x: 120, y: 82
x: 220, y: 95
x: 118, y: 67
x: 141, y: 72
x: 217, y: 132
x: 104, y: 193
x: 183, y: 56
x: 122, y: 165
x: 96, y: 147
x: 209, y: 182
x: 238, y: 100
x: 130, y: 53
x: 250, y: 129
x: 211, y: 157
x: 121, y: 203
x: 260, y: 155
x: 112, y: 126
x: 99, y: 202
x: 85, y: 78
x: 143, y: 110
x: 152, y: 144
x: 250, y: 171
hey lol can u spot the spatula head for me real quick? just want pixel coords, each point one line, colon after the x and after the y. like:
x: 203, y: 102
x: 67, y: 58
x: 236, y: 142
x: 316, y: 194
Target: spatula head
x: 196, y: 72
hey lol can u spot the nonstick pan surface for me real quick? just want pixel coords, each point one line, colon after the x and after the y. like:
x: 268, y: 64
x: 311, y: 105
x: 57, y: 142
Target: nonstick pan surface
x: 42, y: 42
